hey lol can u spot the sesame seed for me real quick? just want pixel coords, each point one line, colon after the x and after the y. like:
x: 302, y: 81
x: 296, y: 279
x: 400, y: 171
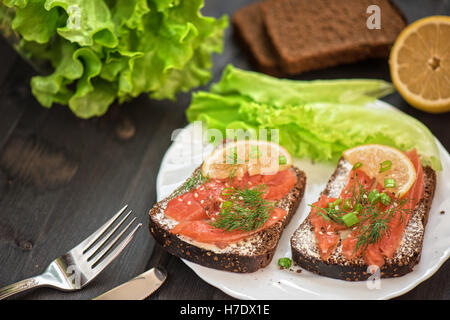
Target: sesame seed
x: 202, y: 201
x: 179, y: 199
x: 196, y: 195
x: 189, y: 203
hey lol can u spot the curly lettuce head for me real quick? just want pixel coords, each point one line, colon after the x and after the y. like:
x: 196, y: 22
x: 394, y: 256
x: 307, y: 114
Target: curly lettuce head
x: 105, y: 50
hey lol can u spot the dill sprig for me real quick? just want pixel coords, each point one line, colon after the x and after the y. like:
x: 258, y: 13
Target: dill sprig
x: 374, y: 219
x: 244, y: 209
x: 374, y: 223
x: 196, y: 180
x: 329, y: 213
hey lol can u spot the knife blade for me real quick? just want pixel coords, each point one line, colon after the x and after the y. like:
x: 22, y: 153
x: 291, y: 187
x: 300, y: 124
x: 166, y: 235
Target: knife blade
x: 138, y: 288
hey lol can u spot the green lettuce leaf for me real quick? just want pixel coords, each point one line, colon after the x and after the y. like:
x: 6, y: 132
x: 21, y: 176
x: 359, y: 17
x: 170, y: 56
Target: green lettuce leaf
x: 53, y: 88
x: 129, y: 14
x: 15, y: 3
x: 87, y: 21
x: 107, y: 50
x: 319, y: 126
x: 33, y: 22
x: 266, y: 89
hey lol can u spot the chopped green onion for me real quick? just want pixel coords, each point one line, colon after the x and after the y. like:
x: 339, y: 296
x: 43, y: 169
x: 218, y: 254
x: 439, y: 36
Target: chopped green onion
x: 385, y: 199
x: 285, y: 263
x: 226, y: 205
x: 357, y: 165
x: 385, y: 166
x: 227, y: 191
x: 335, y: 203
x: 374, y: 196
x: 347, y: 204
x: 389, y: 183
x: 282, y: 160
x: 350, y: 219
x: 358, y: 208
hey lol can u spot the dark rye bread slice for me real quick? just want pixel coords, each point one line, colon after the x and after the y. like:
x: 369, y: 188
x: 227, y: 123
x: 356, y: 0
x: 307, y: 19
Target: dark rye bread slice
x: 325, y: 33
x: 245, y: 256
x: 305, y: 252
x: 251, y: 31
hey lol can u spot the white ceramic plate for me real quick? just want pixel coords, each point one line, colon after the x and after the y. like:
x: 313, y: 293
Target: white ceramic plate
x: 187, y: 153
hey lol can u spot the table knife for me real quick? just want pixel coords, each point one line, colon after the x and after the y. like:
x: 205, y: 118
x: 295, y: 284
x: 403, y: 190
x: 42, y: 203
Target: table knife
x: 138, y: 288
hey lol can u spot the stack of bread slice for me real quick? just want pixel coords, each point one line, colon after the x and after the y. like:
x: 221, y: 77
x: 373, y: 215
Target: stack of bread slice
x: 286, y: 37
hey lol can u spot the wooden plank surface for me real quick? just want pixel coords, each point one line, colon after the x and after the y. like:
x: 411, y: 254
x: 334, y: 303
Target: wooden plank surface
x: 62, y: 177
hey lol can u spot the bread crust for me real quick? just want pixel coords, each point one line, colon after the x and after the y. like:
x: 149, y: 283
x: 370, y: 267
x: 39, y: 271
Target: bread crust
x: 338, y: 267
x: 250, y: 30
x: 260, y: 256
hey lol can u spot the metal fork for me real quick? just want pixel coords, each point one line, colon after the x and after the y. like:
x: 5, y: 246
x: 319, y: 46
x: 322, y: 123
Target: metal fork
x: 75, y: 269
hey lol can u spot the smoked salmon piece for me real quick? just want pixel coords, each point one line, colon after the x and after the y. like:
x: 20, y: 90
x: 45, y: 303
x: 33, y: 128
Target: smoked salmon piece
x: 278, y: 185
x: 185, y: 208
x: 351, y: 257
x: 198, y: 232
x: 196, y: 209
x: 376, y: 253
x: 203, y: 231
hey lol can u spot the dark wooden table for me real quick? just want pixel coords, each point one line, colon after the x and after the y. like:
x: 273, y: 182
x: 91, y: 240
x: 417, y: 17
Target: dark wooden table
x: 62, y: 177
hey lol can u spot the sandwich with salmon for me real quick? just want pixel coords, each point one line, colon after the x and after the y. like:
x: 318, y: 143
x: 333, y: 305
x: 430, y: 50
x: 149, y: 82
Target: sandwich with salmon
x: 229, y: 215
x: 370, y: 218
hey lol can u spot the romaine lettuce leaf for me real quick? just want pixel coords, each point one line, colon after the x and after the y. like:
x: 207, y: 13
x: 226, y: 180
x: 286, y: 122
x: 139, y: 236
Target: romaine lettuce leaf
x: 312, y: 119
x: 266, y: 89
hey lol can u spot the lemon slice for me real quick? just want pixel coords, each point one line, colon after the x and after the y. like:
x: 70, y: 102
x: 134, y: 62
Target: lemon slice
x: 396, y: 164
x: 252, y: 156
x: 420, y: 64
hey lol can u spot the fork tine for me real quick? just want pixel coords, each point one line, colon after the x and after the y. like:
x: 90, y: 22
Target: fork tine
x: 89, y: 241
x: 92, y: 250
x: 113, y: 254
x: 112, y: 243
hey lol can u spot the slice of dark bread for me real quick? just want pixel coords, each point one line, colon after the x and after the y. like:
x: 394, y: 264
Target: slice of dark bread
x: 305, y: 252
x: 247, y: 255
x: 309, y: 35
x: 250, y: 30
